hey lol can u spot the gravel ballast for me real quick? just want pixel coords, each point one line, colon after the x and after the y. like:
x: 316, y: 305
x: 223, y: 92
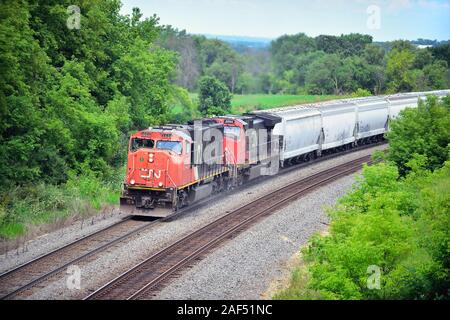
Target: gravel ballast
x: 240, y: 274
x: 244, y: 267
x: 48, y: 242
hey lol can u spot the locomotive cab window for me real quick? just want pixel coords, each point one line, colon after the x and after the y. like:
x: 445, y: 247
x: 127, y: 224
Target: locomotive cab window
x: 174, y: 146
x: 232, y: 132
x: 138, y: 143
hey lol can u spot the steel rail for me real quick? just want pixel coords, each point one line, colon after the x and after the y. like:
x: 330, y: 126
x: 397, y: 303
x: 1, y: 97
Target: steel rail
x: 283, y: 171
x: 71, y: 250
x: 140, y: 281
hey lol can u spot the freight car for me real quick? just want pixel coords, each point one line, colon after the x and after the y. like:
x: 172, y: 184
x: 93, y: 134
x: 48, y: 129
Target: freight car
x: 173, y: 166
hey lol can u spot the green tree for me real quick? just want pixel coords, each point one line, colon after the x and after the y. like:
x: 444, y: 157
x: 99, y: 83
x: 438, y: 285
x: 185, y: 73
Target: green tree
x: 286, y: 49
x: 398, y: 70
x: 374, y: 54
x: 442, y: 52
x: 214, y: 98
x: 424, y: 131
x: 69, y: 97
x: 437, y: 75
x: 220, y: 61
x: 330, y: 74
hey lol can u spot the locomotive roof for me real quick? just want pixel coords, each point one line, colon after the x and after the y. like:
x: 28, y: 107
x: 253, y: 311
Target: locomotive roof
x: 335, y: 105
x: 269, y: 120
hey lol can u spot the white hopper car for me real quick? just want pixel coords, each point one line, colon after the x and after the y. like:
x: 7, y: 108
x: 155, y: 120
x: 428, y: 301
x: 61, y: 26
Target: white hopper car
x: 310, y: 130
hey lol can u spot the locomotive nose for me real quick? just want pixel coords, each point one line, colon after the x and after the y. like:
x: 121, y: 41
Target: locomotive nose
x: 148, y: 169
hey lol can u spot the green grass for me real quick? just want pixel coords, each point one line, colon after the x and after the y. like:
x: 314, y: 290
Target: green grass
x: 246, y: 103
x: 23, y: 208
x: 297, y: 288
x: 241, y: 104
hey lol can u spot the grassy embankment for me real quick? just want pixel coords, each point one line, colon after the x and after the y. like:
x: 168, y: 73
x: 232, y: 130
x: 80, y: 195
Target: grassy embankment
x: 26, y: 209
x: 399, y: 225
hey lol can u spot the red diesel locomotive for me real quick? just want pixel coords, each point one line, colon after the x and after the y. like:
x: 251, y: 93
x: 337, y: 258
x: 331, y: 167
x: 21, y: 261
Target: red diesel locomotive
x: 173, y: 166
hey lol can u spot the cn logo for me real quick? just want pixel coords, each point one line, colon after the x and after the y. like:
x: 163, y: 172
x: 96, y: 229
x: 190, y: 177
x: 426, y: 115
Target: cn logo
x: 154, y: 173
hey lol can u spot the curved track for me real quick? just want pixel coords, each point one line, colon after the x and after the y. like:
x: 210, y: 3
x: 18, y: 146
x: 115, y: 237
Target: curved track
x: 284, y: 171
x: 147, y: 278
x: 31, y: 274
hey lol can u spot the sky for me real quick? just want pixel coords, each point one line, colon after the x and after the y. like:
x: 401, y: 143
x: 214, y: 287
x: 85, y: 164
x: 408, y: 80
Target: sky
x: 385, y: 20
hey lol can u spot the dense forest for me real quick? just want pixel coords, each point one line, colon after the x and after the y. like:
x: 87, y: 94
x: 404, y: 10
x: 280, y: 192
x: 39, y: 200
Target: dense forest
x: 70, y: 95
x: 298, y: 64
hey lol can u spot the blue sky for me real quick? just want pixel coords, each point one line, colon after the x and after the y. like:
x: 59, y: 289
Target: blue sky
x: 383, y: 19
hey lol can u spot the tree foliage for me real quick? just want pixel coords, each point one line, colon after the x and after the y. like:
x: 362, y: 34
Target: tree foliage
x: 289, y: 65
x: 427, y: 129
x: 301, y: 62
x: 69, y: 97
x: 199, y: 56
x: 214, y: 98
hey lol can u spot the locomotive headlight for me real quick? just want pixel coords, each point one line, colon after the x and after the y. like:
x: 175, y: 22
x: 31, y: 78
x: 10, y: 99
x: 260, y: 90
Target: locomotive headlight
x: 151, y: 160
x: 160, y: 184
x: 133, y: 182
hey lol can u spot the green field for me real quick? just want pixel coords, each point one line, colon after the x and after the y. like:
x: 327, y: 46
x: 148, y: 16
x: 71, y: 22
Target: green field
x: 245, y: 103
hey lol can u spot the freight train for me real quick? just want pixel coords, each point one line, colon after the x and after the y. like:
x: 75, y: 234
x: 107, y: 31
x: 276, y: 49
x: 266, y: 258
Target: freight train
x: 173, y: 166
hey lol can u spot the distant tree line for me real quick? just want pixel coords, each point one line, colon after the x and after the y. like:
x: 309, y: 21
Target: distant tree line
x: 298, y: 64
x: 199, y: 56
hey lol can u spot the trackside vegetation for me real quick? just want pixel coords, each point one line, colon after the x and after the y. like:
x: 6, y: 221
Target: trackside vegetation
x: 396, y: 220
x: 69, y: 98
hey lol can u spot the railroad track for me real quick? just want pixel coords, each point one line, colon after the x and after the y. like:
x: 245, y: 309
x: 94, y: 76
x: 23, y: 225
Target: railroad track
x: 147, y: 278
x: 283, y: 171
x: 31, y: 274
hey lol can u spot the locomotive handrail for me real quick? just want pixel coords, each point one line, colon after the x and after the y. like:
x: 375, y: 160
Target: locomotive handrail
x: 167, y: 173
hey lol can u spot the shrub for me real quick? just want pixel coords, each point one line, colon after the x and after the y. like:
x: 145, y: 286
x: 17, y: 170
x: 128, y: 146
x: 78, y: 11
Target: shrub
x: 214, y: 98
x: 359, y: 93
x: 399, y: 225
x: 424, y: 131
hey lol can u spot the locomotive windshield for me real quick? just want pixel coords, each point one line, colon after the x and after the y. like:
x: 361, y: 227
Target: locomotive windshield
x: 174, y: 146
x: 137, y: 144
x: 233, y: 132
